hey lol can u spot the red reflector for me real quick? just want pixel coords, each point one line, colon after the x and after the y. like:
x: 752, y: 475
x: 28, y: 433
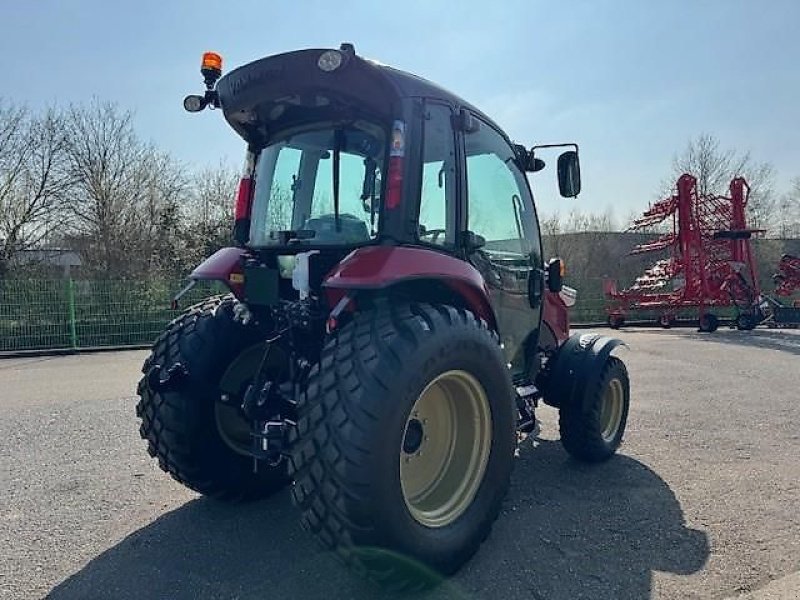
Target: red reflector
x: 243, y: 196
x: 394, y: 186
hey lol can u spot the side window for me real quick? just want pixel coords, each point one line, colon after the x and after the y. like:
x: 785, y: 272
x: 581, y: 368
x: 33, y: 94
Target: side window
x: 498, y: 202
x: 437, y: 197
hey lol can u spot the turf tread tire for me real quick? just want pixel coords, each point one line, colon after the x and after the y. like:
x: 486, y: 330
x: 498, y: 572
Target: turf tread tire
x: 178, y: 420
x: 347, y: 400
x: 579, y: 421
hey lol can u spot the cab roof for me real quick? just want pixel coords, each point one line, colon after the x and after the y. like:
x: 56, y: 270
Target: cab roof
x: 254, y: 94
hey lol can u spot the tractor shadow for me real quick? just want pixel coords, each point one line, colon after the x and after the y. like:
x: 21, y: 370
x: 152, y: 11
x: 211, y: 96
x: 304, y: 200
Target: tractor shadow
x: 566, y: 531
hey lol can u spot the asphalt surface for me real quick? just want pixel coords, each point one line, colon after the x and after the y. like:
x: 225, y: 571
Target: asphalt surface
x: 702, y: 502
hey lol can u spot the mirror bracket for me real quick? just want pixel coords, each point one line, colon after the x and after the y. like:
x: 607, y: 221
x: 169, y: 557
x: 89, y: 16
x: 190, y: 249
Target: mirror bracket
x: 526, y: 160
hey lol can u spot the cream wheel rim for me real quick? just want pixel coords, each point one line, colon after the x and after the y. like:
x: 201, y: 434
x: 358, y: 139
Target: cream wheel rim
x: 445, y: 448
x: 611, y: 410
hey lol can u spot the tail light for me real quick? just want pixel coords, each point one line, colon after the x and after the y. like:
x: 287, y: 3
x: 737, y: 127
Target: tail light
x: 244, y: 202
x: 397, y: 152
x: 243, y: 198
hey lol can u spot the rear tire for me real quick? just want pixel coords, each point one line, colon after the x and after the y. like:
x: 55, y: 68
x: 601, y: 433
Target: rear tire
x: 180, y: 420
x: 374, y: 404
x: 592, y: 426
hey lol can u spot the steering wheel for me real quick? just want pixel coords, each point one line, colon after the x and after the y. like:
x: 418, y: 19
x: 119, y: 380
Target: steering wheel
x: 431, y: 232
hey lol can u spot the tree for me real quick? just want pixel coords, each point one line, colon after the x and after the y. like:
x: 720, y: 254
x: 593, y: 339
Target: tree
x: 33, y: 180
x: 714, y: 167
x: 788, y: 212
x: 208, y: 215
x: 125, y: 195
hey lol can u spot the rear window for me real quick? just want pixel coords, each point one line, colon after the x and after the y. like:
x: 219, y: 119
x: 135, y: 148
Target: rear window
x: 295, y: 180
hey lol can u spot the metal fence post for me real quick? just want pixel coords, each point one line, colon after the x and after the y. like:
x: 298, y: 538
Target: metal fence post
x: 73, y: 334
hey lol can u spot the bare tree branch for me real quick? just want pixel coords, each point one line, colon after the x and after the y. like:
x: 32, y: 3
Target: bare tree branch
x: 33, y: 180
x: 714, y: 167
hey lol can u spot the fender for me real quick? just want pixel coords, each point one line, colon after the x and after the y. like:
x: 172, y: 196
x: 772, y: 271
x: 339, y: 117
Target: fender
x: 578, y: 365
x: 555, y: 316
x: 380, y: 267
x: 224, y: 265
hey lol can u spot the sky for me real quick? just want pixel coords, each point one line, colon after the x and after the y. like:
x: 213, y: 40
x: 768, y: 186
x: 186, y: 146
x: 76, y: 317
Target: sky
x: 631, y: 81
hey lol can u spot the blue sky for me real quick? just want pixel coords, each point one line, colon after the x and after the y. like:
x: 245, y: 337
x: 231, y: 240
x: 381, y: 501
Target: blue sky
x: 630, y: 81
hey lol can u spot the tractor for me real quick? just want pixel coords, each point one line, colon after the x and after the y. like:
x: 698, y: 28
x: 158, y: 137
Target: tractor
x: 390, y: 326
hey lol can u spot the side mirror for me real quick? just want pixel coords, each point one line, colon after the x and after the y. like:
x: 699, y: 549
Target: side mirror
x: 569, y: 174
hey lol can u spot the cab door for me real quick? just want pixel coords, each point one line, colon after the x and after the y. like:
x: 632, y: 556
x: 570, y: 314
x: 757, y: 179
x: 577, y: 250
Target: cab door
x: 502, y: 239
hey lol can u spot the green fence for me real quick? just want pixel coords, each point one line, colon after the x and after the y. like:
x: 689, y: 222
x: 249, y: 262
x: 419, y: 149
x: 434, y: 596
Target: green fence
x: 67, y: 314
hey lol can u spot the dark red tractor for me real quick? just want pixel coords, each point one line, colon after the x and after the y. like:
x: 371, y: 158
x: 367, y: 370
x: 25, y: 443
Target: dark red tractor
x: 391, y: 324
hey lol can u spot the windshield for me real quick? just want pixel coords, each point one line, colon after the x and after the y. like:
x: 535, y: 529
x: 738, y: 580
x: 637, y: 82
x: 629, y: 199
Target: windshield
x: 299, y: 176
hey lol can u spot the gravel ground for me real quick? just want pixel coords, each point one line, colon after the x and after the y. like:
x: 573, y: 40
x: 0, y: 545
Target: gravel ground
x: 703, y: 501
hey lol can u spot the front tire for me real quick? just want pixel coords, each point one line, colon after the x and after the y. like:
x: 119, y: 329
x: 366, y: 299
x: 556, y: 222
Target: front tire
x: 405, y: 442
x: 592, y: 426
x: 181, y: 417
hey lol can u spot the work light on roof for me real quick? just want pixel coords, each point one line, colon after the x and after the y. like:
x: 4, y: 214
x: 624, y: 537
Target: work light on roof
x: 194, y: 103
x: 211, y: 70
x: 330, y: 60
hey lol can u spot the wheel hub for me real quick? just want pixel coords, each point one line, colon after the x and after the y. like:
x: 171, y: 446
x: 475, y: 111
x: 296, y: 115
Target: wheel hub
x: 413, y: 437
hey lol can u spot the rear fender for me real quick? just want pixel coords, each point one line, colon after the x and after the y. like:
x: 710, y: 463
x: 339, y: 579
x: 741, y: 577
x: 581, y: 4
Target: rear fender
x: 577, y: 367
x: 377, y: 268
x: 225, y: 265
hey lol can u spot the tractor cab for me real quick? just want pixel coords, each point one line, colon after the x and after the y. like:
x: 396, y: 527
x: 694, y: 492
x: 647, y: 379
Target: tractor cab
x: 347, y: 154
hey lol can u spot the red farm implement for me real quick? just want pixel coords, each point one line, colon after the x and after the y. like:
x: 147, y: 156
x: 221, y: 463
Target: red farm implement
x: 787, y: 279
x: 709, y: 260
x: 784, y: 313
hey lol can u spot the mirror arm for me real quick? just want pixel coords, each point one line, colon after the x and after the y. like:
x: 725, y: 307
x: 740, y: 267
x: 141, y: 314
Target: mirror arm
x: 564, y: 145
